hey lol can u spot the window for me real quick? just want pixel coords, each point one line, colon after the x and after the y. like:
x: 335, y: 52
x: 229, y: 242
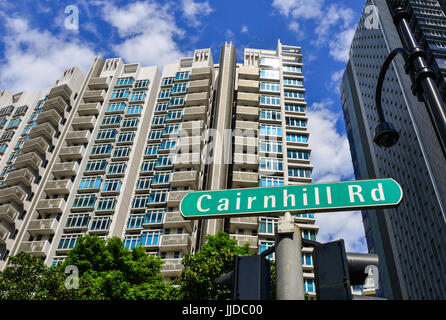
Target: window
x: 134, y: 109
x: 121, y: 152
x: 161, y: 177
x: 179, y: 87
x: 267, y: 226
x: 158, y: 120
x: 301, y: 173
x: 267, y: 114
x: 3, y: 121
x: 111, y: 120
x: 126, y: 137
x: 164, y: 93
x: 155, y: 134
x: 148, y: 165
x: 309, y: 285
x: 301, y: 155
x: 264, y: 245
x: 140, y: 202
x: 291, y: 137
x: 174, y: 115
x: 143, y: 183
x: 117, y: 168
x: 96, y: 165
x: 90, y: 183
x: 150, y: 238
x: 293, y: 94
x: 14, y: 123
x: 164, y: 161
x: 271, y: 182
x: 270, y: 130
x: 292, y: 69
x: 161, y: 107
x: 294, y: 107
x: 68, y: 241
x: 135, y: 222
x: 100, y: 149
x: 269, y: 86
x: 154, y: 216
x: 3, y: 148
x: 269, y: 74
x: 124, y: 81
x: 106, y: 134
x: 138, y: 96
x: 78, y: 221
x: 106, y: 204
x: 100, y: 223
x: 292, y: 82
x: 307, y: 259
x: 158, y: 196
x: 171, y: 129
x: 131, y: 123
x: 267, y: 164
x: 131, y: 242
x: 182, y: 75
x: 270, y: 62
x: 151, y: 150
x: 270, y: 100
x: 84, y: 201
x: 120, y: 93
x: 270, y: 146
x: 21, y: 110
x: 142, y: 83
x: 115, y: 107
x: 167, y: 81
x: 7, y: 135
x: 293, y: 122
x: 176, y: 101
x: 168, y: 144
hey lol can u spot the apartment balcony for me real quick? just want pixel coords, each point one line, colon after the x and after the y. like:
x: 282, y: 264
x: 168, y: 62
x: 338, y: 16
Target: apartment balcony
x: 8, y: 213
x: 194, y: 113
x: 72, y: 153
x: 174, y: 197
x: 193, y: 128
x: 245, y: 143
x: 175, y: 220
x: 58, y: 187
x: 4, y: 234
x: 89, y: 109
x: 172, y: 267
x: 247, y: 113
x: 187, y: 160
x: 49, y: 206
x: 83, y: 123
x: 248, y: 86
x: 65, y: 169
x: 242, y: 239
x: 30, y: 160
x: 42, y: 226
x: 176, y: 242
x: 250, y: 126
x: 35, y: 248
x: 245, y: 223
x: 201, y: 73
x: 184, y: 179
x: 56, y: 103
x: 242, y: 179
x: 97, y: 83
x: 78, y: 137
x: 245, y: 160
x: 248, y: 99
x: 63, y: 91
x: 188, y: 143
x: 94, y: 96
x: 20, y: 176
x: 37, y: 144
x: 51, y: 116
x: 199, y: 86
x: 42, y: 130
x: 248, y: 73
x: 16, y: 194
x: 197, y: 99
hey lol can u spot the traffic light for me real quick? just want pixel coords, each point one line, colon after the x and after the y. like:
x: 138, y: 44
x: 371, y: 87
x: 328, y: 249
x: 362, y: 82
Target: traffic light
x: 250, y: 279
x: 336, y: 271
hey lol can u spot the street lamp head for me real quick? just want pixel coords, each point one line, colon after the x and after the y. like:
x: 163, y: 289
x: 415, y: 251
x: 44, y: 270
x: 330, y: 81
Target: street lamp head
x: 386, y: 135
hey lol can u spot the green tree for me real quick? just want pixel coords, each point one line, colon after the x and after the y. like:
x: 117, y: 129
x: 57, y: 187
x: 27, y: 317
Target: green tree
x: 214, y: 259
x: 108, y: 270
x: 28, y: 278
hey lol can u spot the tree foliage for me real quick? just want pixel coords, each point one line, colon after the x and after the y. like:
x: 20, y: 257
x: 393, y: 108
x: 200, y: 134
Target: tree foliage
x: 214, y: 259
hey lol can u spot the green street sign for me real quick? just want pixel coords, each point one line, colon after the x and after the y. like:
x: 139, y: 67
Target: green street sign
x: 315, y: 197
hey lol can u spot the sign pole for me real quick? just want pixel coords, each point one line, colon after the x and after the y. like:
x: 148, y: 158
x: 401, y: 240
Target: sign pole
x: 289, y: 273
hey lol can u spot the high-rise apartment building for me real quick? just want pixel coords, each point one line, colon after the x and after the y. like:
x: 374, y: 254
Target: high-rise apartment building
x: 411, y: 239
x: 114, y: 152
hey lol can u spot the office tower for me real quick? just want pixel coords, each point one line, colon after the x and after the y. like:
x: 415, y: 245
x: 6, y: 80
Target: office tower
x: 135, y: 141
x: 411, y: 239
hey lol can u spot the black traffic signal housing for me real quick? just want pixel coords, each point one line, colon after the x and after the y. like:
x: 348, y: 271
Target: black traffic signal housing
x: 336, y: 271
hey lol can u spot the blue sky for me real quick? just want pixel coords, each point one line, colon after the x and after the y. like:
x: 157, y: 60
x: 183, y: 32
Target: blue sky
x: 36, y: 46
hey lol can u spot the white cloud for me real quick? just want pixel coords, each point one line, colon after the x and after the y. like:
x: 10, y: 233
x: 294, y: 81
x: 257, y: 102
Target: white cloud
x: 299, y: 8
x: 148, y: 31
x: 35, y: 59
x: 192, y: 10
x: 244, y: 29
x: 340, y: 46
